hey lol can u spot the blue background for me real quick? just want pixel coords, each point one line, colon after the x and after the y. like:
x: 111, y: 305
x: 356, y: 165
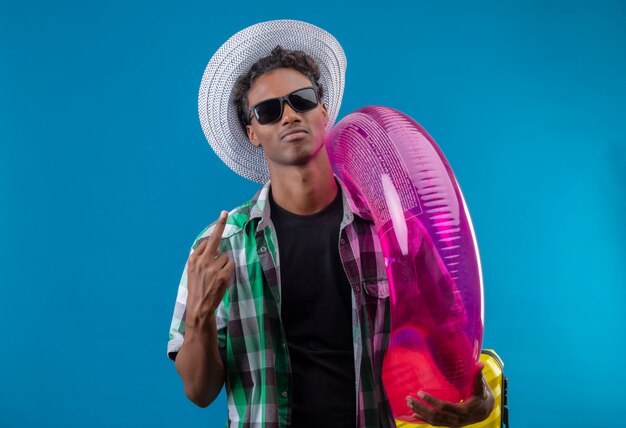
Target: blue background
x: 106, y: 178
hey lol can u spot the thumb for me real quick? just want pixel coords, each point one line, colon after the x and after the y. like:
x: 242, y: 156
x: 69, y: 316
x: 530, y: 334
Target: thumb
x: 479, y: 385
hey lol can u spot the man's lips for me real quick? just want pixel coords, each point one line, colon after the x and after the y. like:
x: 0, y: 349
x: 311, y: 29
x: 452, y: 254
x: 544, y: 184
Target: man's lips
x: 294, y: 134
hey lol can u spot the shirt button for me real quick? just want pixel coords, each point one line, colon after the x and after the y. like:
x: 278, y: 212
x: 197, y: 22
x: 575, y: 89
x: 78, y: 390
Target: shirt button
x: 262, y: 249
x: 284, y: 394
x: 343, y: 241
x: 357, y: 288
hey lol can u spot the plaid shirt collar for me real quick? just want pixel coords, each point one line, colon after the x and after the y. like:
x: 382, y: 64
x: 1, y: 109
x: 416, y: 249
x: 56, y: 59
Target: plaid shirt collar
x: 260, y: 207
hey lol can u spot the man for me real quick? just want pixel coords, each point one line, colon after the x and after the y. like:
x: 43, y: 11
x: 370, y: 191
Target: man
x: 285, y: 299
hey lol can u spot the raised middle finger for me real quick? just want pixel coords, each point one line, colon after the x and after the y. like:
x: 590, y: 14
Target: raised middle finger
x: 216, y: 236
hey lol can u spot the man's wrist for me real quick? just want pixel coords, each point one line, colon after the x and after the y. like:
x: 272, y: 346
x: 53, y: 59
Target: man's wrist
x: 200, y: 323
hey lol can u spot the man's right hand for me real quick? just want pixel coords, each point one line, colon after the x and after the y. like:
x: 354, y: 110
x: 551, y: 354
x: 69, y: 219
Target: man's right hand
x: 208, y: 276
x: 198, y: 362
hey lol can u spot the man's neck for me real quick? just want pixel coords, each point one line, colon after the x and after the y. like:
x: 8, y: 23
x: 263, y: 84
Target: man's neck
x: 304, y: 190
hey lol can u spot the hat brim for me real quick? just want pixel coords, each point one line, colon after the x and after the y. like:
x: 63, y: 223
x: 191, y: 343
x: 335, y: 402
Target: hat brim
x: 218, y: 115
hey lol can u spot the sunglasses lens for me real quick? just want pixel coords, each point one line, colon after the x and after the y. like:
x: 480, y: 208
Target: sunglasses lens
x: 303, y: 100
x: 268, y: 111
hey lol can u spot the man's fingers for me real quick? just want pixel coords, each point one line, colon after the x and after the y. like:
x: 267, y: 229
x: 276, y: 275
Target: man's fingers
x: 438, y: 404
x: 216, y: 235
x: 431, y: 415
x: 221, y: 261
x: 229, y: 268
x: 210, y: 245
x: 445, y: 413
x: 226, y: 273
x: 423, y: 411
x: 200, y: 248
x: 479, y: 381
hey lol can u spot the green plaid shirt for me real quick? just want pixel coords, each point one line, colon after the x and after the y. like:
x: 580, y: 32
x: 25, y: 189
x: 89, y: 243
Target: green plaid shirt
x: 251, y: 337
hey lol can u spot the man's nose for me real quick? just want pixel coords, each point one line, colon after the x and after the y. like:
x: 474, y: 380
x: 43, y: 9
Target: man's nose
x: 289, y: 114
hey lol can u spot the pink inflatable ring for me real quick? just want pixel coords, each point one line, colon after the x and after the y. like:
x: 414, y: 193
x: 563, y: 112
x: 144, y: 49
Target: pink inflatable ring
x: 394, y: 169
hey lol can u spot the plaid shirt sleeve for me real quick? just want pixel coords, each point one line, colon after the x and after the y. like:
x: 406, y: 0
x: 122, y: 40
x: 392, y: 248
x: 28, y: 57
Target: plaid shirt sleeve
x: 177, y: 327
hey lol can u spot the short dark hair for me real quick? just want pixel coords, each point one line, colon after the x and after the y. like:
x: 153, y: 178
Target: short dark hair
x: 278, y: 58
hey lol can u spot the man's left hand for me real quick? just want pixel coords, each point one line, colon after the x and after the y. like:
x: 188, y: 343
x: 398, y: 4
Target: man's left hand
x: 445, y: 413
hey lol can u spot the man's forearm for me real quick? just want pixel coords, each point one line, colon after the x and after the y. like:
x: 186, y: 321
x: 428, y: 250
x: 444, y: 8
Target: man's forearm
x: 199, y: 364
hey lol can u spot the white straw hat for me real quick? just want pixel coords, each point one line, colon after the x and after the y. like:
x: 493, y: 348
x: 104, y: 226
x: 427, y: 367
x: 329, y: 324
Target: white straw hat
x: 218, y: 115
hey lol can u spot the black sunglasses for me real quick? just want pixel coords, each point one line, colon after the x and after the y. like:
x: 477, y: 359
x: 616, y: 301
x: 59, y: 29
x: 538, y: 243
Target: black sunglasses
x: 270, y: 111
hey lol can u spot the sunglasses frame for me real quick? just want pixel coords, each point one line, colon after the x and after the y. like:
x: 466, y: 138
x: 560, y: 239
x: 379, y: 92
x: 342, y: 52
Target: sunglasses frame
x: 282, y: 100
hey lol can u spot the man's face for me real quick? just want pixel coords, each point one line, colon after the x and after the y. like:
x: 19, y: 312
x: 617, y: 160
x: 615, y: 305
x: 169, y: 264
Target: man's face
x: 295, y: 138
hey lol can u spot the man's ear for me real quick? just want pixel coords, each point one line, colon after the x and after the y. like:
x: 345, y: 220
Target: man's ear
x: 252, y: 136
x: 325, y: 112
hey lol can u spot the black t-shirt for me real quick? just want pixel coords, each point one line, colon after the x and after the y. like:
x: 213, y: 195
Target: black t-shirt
x: 316, y: 312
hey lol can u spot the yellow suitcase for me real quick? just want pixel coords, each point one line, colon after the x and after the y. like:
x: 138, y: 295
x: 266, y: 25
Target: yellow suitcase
x: 499, y: 416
